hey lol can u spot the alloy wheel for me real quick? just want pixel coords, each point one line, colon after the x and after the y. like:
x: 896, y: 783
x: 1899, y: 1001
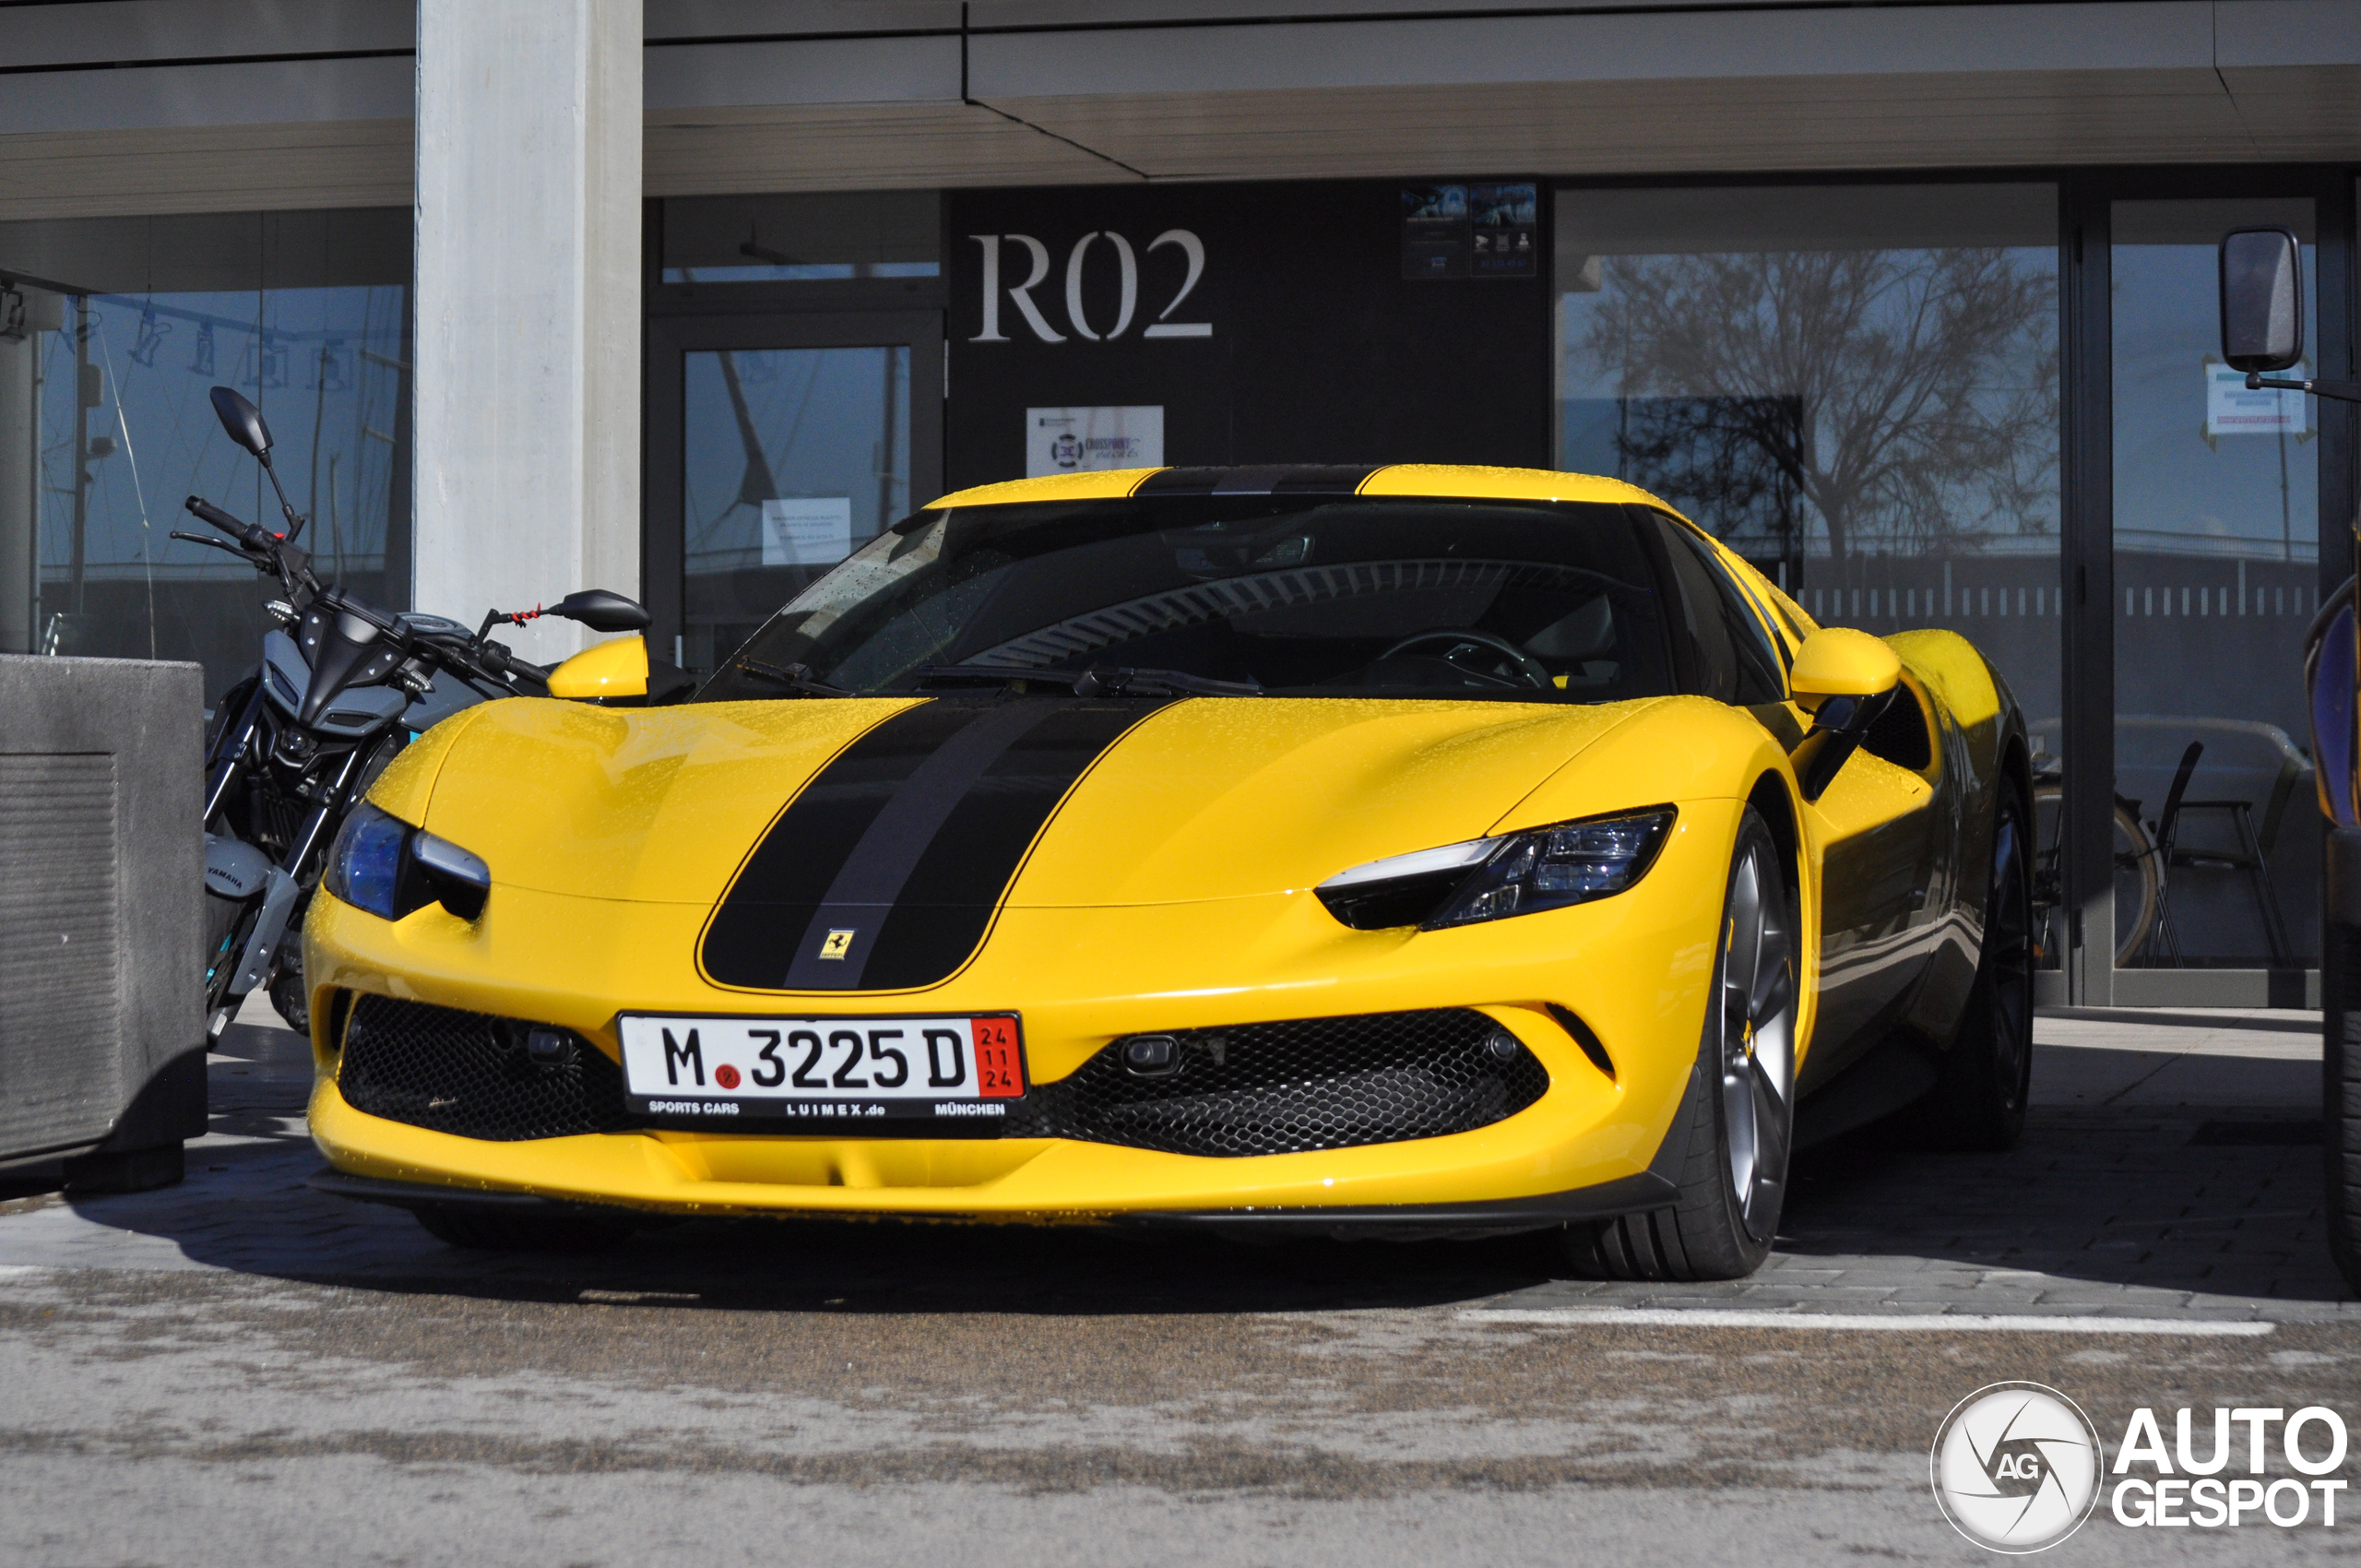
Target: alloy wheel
x: 1758, y: 1037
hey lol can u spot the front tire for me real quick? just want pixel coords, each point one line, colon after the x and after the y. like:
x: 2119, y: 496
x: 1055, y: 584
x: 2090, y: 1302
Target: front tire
x: 292, y: 1001
x: 2341, y: 1056
x: 288, y: 995
x: 1739, y: 1113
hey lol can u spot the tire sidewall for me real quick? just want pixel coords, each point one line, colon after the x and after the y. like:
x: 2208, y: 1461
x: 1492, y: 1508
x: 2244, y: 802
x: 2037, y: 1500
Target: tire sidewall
x: 1753, y: 1241
x: 2341, y: 1102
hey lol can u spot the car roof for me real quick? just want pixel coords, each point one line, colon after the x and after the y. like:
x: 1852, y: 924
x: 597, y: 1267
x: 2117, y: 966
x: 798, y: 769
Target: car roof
x: 1469, y: 482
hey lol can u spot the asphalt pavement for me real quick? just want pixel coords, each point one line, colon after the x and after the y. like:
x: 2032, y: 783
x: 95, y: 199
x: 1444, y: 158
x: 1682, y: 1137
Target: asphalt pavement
x: 240, y: 1371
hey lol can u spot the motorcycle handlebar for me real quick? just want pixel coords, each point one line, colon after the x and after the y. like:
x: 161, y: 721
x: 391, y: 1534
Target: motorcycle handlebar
x: 490, y: 659
x: 246, y: 534
x: 208, y: 541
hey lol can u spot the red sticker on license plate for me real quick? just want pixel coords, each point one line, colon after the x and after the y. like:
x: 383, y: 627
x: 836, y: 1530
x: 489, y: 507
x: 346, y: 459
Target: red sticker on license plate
x: 1000, y: 1064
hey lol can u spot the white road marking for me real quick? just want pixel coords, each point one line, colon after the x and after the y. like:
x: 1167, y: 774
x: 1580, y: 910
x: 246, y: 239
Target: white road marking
x: 1919, y: 1323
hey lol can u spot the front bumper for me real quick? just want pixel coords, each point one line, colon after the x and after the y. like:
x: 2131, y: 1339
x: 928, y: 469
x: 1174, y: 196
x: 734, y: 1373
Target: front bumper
x: 1634, y: 969
x: 1651, y: 1189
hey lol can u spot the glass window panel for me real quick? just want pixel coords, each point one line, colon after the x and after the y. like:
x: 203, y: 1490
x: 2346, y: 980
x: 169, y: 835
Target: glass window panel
x: 801, y: 238
x: 1734, y: 659
x: 792, y: 458
x: 307, y: 314
x: 1855, y: 386
x: 2218, y: 574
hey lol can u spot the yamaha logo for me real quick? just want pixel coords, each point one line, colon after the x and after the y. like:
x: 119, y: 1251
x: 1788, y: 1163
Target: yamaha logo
x: 2016, y: 1468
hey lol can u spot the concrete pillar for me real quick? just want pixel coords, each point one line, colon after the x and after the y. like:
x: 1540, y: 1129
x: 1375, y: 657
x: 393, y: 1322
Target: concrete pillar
x: 25, y: 314
x: 20, y: 485
x: 528, y: 307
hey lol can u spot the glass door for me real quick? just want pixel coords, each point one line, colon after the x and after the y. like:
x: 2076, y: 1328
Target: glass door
x: 2216, y: 569
x: 1857, y: 387
x: 778, y: 445
x: 104, y: 424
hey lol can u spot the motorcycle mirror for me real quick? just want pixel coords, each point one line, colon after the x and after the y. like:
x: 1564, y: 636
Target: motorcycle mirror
x: 2263, y: 299
x: 602, y: 611
x: 243, y: 421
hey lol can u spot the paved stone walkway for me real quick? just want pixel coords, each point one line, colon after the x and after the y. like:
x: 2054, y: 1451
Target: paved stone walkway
x: 2167, y: 1171
x: 239, y: 1369
x: 2170, y: 1171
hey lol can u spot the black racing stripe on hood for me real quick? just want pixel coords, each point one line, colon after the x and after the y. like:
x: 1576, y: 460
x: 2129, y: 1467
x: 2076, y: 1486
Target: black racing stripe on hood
x: 908, y: 841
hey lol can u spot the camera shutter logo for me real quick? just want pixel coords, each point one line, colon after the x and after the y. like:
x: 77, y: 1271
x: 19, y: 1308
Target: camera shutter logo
x: 2016, y: 1468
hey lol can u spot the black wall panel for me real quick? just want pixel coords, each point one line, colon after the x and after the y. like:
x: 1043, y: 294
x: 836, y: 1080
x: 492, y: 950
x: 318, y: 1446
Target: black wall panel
x: 1318, y: 350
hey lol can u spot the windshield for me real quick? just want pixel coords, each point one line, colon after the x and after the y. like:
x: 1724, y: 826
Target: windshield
x: 1348, y: 597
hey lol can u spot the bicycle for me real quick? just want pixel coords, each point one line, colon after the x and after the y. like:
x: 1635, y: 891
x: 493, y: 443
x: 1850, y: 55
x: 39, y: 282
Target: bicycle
x: 2138, y: 882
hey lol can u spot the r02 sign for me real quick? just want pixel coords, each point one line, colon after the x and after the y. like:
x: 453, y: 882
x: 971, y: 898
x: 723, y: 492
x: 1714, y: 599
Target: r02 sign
x: 1127, y: 271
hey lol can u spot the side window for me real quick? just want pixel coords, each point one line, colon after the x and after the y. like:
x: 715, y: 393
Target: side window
x: 1731, y: 659
x: 1899, y: 734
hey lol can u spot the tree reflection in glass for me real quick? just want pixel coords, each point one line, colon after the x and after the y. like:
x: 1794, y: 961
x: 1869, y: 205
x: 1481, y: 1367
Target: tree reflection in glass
x: 1857, y: 387
x: 1908, y: 397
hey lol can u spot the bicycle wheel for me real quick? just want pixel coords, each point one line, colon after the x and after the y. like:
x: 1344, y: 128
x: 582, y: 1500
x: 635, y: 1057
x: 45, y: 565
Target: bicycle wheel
x: 2135, y: 887
x: 2049, y: 922
x: 2135, y: 878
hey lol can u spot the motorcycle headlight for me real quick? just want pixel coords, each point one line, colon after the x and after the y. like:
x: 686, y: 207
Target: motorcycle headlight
x: 384, y: 865
x: 1487, y: 879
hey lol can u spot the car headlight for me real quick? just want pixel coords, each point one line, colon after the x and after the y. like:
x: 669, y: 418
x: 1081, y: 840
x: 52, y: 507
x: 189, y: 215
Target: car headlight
x: 1487, y: 879
x: 384, y: 865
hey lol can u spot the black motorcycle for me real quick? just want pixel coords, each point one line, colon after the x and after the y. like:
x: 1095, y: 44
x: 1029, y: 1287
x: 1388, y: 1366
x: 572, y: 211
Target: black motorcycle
x: 342, y: 687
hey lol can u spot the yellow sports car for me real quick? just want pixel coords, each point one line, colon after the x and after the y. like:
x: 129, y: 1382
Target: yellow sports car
x: 1396, y: 851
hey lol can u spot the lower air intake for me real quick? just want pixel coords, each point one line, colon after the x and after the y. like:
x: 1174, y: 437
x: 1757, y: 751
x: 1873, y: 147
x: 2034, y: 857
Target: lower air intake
x: 1286, y: 1089
x: 469, y: 1075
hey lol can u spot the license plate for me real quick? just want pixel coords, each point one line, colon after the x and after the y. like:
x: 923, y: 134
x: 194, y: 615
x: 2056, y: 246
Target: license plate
x: 957, y: 1073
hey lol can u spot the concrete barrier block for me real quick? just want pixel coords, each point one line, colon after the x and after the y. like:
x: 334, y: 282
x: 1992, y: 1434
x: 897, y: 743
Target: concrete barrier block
x: 102, y: 880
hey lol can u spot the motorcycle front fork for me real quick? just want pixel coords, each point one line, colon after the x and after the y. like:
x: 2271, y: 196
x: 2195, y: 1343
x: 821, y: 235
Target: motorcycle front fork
x: 270, y: 932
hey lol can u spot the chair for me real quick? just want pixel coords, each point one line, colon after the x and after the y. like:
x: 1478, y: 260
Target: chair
x: 2247, y: 857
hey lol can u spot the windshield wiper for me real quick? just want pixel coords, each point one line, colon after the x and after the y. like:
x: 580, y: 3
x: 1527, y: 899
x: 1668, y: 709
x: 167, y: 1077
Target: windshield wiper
x: 798, y: 676
x: 1109, y: 680
x: 1099, y: 680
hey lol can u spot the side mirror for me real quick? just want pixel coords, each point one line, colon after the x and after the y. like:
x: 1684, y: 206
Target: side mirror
x: 2263, y: 299
x: 601, y: 612
x: 243, y: 421
x: 617, y: 668
x: 1838, y: 661
x: 1845, y: 679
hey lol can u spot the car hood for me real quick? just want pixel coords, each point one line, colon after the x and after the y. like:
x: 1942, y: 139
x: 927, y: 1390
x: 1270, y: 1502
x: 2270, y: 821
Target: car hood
x: 1166, y: 803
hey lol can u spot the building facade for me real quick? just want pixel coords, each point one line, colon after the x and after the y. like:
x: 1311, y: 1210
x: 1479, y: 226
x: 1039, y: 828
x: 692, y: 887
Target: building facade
x: 1913, y: 303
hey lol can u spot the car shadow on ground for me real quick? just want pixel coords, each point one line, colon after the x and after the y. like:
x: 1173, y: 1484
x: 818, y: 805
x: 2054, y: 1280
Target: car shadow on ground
x: 2215, y: 1199
x: 2144, y: 1171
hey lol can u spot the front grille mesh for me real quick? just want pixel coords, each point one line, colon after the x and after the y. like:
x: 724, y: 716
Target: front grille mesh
x: 467, y: 1074
x: 1258, y: 1088
x: 1286, y: 1088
